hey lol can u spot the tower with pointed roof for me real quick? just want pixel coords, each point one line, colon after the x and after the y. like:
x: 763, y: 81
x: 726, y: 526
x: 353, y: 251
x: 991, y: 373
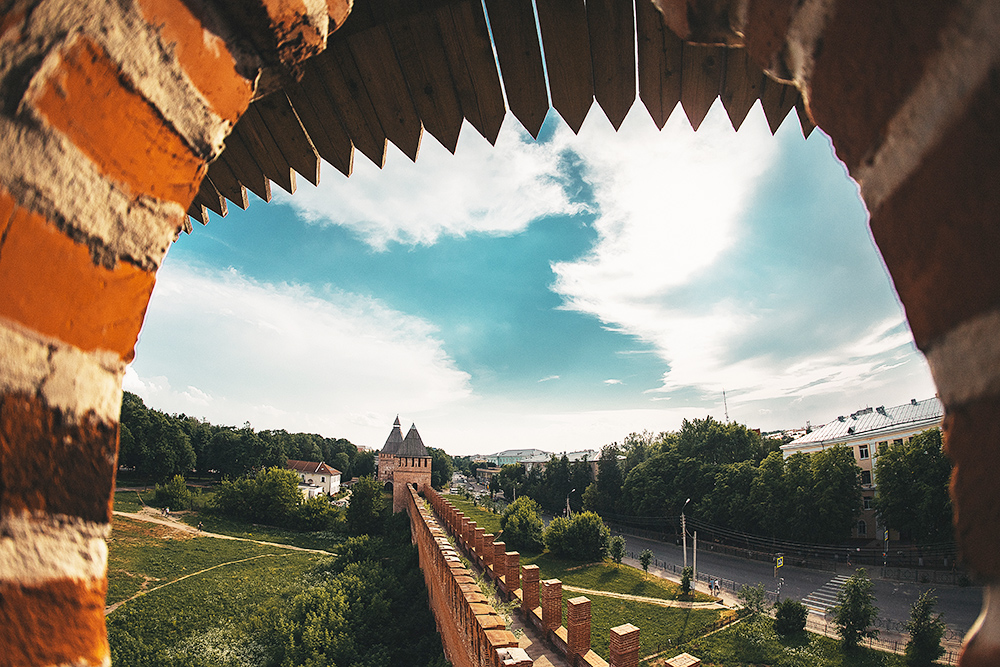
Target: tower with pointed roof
x: 403, y: 462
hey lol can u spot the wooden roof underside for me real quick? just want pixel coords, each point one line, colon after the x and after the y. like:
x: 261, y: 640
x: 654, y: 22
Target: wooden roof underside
x: 399, y: 67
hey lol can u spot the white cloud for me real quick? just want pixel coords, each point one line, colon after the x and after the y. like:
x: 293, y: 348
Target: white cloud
x: 548, y: 378
x: 613, y: 381
x: 481, y: 189
x: 285, y: 356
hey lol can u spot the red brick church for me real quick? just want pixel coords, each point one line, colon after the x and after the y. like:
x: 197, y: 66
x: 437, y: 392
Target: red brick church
x: 403, y: 461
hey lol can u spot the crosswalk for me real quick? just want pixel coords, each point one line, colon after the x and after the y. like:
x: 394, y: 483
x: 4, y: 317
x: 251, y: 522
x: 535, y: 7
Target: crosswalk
x: 823, y: 599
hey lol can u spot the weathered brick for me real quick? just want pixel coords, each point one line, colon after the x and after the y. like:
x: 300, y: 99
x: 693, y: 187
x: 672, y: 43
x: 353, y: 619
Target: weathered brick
x: 937, y: 231
x: 766, y: 26
x: 87, y: 99
x: 50, y: 464
x: 49, y: 283
x: 551, y: 604
x: 529, y: 586
x: 624, y: 647
x: 60, y: 622
x: 578, y: 625
x: 872, y: 56
x: 512, y: 576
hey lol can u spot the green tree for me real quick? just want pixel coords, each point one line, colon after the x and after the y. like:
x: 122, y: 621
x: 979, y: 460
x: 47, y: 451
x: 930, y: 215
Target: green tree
x: 608, y: 485
x: 364, y: 513
x: 521, y: 526
x: 364, y: 464
x: 617, y: 549
x: 584, y: 537
x: 753, y: 599
x: 837, y: 493
x: 644, y: 559
x: 686, y: 575
x: 441, y: 468
x: 855, y: 610
x: 173, y: 494
x: 913, y: 480
x: 789, y: 616
x: 926, y: 631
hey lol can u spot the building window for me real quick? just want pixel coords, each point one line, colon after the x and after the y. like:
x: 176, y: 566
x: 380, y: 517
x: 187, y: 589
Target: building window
x: 868, y: 502
x: 882, y: 445
x: 866, y: 478
x: 863, y: 452
x: 862, y: 529
x: 897, y: 441
x: 322, y: 479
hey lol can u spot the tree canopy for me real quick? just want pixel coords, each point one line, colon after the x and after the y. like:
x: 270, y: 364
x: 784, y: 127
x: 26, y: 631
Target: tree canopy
x: 913, y: 480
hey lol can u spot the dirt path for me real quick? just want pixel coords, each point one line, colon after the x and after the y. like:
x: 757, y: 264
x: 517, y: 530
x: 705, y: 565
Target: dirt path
x: 639, y: 598
x: 184, y: 528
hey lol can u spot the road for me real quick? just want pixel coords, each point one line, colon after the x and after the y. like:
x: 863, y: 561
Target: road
x: 959, y: 605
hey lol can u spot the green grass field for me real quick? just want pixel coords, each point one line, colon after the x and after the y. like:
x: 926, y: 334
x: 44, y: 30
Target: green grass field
x: 756, y: 643
x: 488, y: 521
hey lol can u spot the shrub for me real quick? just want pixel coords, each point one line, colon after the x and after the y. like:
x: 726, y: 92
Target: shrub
x: 315, y: 514
x: 789, y: 617
x: 521, y: 526
x: 584, y: 537
x: 364, y: 513
x: 855, y: 610
x: 752, y: 598
x: 173, y: 494
x: 616, y: 548
x: 271, y: 496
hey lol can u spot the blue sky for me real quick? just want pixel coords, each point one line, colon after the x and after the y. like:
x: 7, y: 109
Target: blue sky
x: 557, y: 294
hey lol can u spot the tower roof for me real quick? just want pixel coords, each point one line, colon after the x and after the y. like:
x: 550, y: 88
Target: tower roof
x: 412, y: 444
x: 395, y: 439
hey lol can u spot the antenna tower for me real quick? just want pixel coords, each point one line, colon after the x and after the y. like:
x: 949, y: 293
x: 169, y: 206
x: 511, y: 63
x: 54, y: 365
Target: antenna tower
x: 725, y: 404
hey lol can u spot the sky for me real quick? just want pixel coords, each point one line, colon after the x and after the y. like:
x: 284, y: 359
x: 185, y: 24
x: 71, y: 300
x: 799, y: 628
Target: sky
x: 557, y: 294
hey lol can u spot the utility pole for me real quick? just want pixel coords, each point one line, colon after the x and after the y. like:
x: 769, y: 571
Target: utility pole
x: 695, y: 565
x: 684, y: 532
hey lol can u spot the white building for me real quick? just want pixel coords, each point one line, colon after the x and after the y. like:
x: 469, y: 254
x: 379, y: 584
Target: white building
x: 315, y: 478
x: 866, y: 432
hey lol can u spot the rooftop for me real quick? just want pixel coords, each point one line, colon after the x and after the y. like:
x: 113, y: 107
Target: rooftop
x: 873, y: 422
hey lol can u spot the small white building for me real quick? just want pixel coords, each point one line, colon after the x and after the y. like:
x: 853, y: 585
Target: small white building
x: 315, y: 478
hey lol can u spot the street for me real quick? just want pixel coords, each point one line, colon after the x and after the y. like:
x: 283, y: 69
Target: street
x: 959, y: 605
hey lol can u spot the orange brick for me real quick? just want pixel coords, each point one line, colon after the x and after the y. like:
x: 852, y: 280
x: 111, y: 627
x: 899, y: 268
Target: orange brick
x: 54, y: 465
x: 203, y: 56
x: 50, y: 284
x: 60, y: 622
x: 87, y: 99
x: 766, y: 28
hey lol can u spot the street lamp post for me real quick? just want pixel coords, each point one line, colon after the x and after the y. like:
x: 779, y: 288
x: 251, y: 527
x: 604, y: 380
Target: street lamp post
x: 684, y: 534
x: 569, y: 512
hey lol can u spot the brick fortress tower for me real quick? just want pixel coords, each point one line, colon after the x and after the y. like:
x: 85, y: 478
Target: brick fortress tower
x: 403, y: 462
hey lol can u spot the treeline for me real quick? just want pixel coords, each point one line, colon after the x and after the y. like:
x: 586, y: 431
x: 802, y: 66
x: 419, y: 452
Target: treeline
x: 738, y: 480
x: 156, y: 446
x: 734, y: 477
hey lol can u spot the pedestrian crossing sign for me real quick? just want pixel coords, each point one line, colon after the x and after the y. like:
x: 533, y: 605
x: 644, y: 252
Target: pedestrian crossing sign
x: 781, y: 561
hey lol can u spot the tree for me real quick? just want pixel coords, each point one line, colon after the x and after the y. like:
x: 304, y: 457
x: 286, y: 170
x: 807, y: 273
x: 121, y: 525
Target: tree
x: 364, y: 464
x: 837, y: 493
x: 521, y: 526
x: 789, y: 616
x: 364, y: 513
x: 644, y: 559
x: 686, y: 575
x: 913, y: 482
x: 173, y: 494
x: 926, y: 631
x: 855, y: 610
x: 617, y: 549
x: 441, y: 468
x: 753, y: 599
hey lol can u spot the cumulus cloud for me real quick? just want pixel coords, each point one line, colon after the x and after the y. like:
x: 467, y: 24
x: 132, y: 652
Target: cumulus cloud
x: 220, y: 345
x: 481, y: 189
x: 613, y: 381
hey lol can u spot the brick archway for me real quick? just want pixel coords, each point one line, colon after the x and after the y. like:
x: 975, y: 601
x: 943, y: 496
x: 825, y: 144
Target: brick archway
x: 112, y: 112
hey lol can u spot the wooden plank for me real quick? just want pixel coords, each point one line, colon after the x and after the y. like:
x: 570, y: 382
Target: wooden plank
x: 567, y: 58
x: 383, y: 80
x: 612, y: 52
x: 258, y: 140
x: 777, y: 100
x: 227, y: 184
x: 805, y: 122
x: 467, y: 42
x: 743, y: 85
x: 425, y: 68
x: 211, y: 198
x: 660, y: 63
x: 321, y: 120
x: 336, y: 68
x: 290, y: 136
x: 516, y: 40
x: 701, y: 80
x: 239, y: 160
x: 198, y: 212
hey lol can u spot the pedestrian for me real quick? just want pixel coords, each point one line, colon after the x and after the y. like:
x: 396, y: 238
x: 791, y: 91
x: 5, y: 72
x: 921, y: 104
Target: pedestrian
x: 199, y: 526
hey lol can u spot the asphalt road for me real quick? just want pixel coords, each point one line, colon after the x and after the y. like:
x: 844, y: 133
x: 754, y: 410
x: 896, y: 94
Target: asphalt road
x: 959, y: 605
